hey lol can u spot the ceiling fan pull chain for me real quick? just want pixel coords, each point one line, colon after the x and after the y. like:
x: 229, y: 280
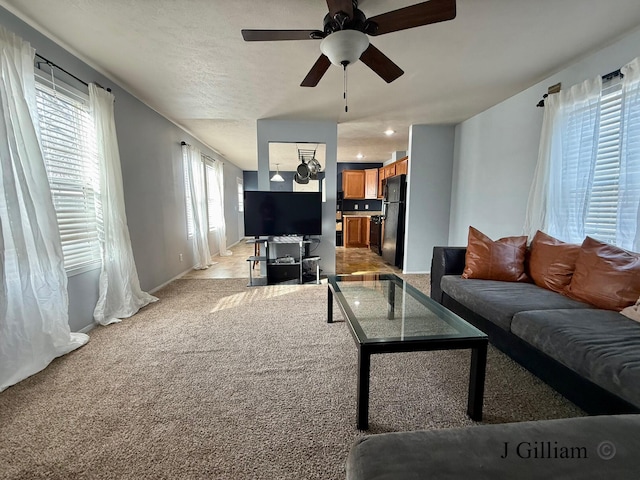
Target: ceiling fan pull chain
x: 346, y: 107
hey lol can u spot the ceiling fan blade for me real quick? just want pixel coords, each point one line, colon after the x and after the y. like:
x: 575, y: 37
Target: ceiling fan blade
x: 272, y: 35
x: 317, y: 71
x: 424, y: 13
x: 381, y: 64
x: 345, y: 6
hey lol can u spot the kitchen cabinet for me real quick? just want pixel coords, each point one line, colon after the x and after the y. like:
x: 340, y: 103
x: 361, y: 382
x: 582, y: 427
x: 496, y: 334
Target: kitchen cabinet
x: 353, y: 184
x: 356, y: 231
x: 367, y: 231
x: 381, y: 177
x: 371, y: 183
x: 385, y: 172
x: 390, y: 170
x: 402, y: 166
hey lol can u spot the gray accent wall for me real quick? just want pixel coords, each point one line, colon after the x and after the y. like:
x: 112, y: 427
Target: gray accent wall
x: 497, y: 150
x: 292, y: 131
x: 151, y: 159
x: 428, y: 194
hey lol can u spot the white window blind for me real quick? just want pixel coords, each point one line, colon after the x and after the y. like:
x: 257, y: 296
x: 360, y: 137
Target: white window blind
x: 602, y: 216
x: 69, y: 149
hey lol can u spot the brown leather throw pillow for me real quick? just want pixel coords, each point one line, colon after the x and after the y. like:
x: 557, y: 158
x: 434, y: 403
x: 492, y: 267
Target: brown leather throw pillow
x: 552, y: 262
x: 605, y: 276
x: 502, y: 259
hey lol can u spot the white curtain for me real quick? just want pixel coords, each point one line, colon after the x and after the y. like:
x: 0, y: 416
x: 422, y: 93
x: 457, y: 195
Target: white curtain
x: 218, y: 201
x: 628, y: 234
x: 536, y: 215
x: 195, y: 178
x: 559, y: 195
x: 120, y: 295
x: 34, y: 323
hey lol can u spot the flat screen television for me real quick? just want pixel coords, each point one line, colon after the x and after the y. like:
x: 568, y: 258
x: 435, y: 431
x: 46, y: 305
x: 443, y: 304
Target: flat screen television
x: 282, y: 213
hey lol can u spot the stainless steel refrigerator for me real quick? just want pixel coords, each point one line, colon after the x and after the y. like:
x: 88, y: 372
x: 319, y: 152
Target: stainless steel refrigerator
x: 393, y: 207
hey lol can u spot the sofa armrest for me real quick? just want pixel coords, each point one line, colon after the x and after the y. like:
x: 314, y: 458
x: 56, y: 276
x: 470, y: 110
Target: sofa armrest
x: 445, y: 261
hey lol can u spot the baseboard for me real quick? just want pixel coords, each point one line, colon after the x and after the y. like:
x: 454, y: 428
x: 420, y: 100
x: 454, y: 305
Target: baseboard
x: 170, y: 280
x: 217, y: 253
x: 88, y: 328
x: 186, y: 271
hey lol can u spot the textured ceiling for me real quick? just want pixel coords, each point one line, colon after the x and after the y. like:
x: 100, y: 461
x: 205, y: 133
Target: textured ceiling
x: 187, y: 60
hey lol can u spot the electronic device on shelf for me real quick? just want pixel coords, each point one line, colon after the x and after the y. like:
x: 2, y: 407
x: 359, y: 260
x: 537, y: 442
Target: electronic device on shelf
x: 282, y: 213
x: 287, y: 259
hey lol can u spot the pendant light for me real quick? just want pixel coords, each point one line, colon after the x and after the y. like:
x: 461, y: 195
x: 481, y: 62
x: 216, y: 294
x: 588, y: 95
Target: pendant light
x: 277, y: 177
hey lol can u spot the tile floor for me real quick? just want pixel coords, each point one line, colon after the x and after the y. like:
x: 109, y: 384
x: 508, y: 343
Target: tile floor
x: 348, y: 260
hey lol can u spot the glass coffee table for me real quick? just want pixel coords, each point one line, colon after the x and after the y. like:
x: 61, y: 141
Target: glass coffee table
x: 387, y: 315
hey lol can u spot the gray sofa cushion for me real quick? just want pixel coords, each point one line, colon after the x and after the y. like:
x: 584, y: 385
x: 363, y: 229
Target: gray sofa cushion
x: 476, y: 452
x: 500, y: 301
x: 601, y: 345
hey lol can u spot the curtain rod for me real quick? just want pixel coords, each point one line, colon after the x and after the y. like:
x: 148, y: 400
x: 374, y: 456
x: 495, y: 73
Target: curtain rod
x: 183, y: 143
x: 51, y: 64
x: 605, y: 78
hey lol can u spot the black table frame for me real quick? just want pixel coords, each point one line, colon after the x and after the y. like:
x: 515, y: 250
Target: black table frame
x: 478, y: 346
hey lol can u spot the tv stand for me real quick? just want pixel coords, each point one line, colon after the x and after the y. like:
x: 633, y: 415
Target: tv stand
x: 283, y: 268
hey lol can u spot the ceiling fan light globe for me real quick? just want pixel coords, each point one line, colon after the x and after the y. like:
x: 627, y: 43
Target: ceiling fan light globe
x: 344, y: 47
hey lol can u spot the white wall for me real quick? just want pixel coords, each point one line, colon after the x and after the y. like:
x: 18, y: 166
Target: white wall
x: 428, y: 194
x: 496, y: 151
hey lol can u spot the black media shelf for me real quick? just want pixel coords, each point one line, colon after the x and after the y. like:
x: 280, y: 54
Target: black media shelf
x: 280, y: 271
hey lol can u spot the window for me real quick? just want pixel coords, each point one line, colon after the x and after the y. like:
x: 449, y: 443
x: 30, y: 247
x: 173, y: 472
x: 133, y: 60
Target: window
x: 240, y: 195
x: 588, y: 177
x: 69, y: 149
x: 602, y: 208
x: 213, y: 212
x: 187, y: 195
x: 205, y: 190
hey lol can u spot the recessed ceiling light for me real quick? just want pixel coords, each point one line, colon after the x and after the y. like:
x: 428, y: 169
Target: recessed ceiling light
x: 389, y: 132
x: 360, y: 156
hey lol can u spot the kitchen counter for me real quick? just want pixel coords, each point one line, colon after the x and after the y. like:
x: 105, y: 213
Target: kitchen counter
x: 363, y: 213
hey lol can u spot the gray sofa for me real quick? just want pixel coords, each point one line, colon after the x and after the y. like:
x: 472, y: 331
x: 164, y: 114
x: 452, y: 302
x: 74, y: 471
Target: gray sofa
x: 576, y: 448
x: 589, y: 355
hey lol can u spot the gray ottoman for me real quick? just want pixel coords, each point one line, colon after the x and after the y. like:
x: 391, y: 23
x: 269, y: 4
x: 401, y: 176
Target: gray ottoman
x: 575, y: 448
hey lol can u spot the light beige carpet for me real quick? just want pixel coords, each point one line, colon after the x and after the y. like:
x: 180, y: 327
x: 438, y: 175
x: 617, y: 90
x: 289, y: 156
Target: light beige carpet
x: 221, y: 381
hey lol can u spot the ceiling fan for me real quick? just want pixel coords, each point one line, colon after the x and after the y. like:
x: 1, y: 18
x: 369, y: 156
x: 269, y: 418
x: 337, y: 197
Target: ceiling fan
x: 344, y: 36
